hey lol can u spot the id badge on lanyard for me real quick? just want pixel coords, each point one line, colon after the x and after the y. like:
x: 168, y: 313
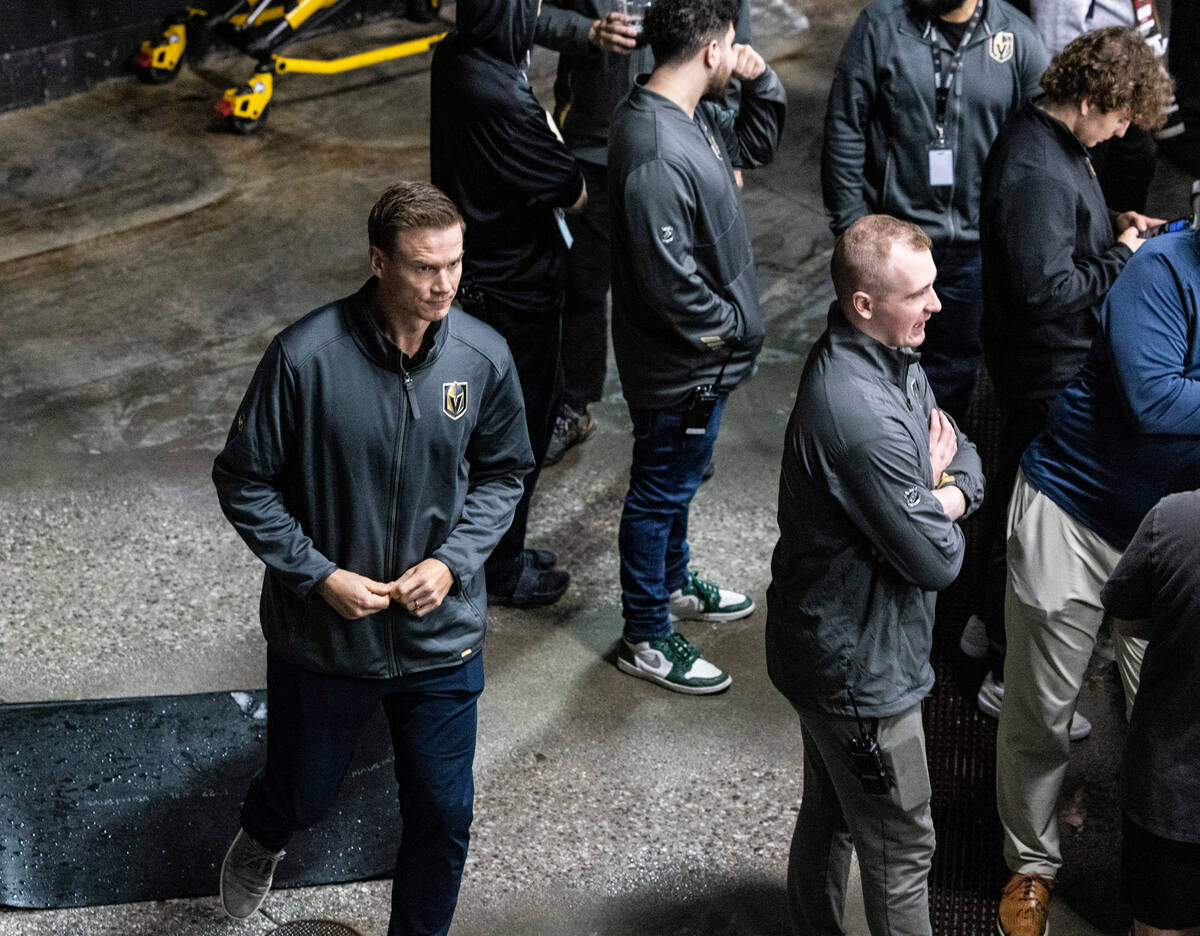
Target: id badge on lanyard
x: 941, y: 154
x: 941, y: 163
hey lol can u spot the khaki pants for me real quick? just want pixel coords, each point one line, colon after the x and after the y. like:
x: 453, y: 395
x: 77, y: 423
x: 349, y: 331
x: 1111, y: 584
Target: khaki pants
x: 1052, y: 613
x: 892, y: 833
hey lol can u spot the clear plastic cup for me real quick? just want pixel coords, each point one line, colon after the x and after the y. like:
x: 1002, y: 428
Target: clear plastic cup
x: 635, y: 10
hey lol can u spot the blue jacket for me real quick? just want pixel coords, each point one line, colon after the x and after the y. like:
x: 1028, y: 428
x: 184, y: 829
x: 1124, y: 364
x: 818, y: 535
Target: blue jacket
x: 1125, y: 431
x: 340, y: 457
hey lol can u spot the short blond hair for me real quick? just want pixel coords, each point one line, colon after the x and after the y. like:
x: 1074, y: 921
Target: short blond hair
x: 861, y: 254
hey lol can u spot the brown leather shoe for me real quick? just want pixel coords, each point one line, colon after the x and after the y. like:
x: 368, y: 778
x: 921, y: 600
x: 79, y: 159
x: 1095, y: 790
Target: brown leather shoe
x: 1025, y: 906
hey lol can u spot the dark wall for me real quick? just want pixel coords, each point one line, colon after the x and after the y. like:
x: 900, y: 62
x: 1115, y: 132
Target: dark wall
x: 51, y: 48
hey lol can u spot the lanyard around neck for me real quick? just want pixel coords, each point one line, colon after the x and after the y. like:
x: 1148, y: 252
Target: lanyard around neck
x: 942, y: 88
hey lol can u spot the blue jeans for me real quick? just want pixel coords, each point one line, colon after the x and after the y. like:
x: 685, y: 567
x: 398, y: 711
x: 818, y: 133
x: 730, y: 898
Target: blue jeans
x: 313, y: 724
x: 664, y: 476
x: 952, y: 353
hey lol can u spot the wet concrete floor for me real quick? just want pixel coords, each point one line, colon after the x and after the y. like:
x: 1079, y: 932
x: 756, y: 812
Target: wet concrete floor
x: 145, y: 262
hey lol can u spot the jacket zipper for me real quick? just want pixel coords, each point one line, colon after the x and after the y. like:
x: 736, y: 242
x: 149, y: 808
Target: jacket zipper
x: 414, y: 410
x: 410, y: 395
x: 397, y: 460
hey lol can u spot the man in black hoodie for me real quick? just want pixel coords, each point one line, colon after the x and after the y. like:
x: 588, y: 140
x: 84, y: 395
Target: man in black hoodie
x: 495, y: 151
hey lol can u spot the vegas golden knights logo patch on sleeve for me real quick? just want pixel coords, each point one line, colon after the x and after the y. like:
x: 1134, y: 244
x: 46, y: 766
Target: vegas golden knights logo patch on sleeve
x: 454, y: 399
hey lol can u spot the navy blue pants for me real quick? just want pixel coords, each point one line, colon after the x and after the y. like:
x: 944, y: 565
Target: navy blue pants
x: 666, y: 470
x: 314, y: 722
x: 952, y: 352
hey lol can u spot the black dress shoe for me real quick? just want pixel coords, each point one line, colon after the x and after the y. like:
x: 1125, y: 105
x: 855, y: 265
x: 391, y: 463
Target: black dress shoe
x: 540, y: 558
x: 529, y: 586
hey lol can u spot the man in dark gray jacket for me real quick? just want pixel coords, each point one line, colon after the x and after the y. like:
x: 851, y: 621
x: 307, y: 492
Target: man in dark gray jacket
x: 874, y: 479
x: 374, y: 463
x: 600, y: 55
x: 921, y: 89
x: 686, y: 328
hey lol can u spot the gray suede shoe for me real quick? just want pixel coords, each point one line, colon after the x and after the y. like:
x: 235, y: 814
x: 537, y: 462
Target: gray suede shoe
x: 246, y: 876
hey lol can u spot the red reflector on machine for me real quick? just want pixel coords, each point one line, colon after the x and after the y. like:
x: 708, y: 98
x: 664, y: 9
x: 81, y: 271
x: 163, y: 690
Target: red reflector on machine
x: 224, y: 108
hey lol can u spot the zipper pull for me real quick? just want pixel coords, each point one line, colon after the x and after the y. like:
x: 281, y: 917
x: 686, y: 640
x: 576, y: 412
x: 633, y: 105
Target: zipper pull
x: 412, y: 399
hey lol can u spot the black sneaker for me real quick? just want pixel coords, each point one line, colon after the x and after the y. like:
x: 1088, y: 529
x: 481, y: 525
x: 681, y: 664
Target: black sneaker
x: 570, y: 428
x: 529, y: 584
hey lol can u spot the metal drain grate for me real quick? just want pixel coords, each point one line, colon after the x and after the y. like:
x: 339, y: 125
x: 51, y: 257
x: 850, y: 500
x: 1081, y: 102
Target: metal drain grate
x: 315, y: 928
x: 968, y: 870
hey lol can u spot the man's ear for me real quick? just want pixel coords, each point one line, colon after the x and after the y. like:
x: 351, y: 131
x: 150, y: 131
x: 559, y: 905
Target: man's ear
x: 375, y: 259
x: 863, y: 306
x: 712, y: 55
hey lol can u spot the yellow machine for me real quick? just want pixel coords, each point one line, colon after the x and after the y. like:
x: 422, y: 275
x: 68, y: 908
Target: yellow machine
x: 259, y: 29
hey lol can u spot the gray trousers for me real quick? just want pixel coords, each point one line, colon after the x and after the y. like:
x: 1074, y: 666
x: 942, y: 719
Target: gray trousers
x: 892, y: 833
x: 1052, y: 614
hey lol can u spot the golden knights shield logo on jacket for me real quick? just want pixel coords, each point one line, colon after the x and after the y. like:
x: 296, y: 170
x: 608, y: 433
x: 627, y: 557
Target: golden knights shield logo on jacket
x: 1001, y: 46
x: 454, y: 399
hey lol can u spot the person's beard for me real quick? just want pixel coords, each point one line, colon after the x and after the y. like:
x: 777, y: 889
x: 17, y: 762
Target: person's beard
x: 935, y: 8
x: 718, y: 87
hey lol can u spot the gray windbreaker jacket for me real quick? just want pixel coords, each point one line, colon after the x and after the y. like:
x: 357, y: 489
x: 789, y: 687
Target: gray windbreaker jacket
x: 339, y: 457
x: 879, y: 122
x: 864, y: 545
x: 685, y: 296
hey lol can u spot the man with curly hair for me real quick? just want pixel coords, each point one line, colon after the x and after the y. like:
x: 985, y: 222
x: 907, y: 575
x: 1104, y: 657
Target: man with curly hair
x: 1051, y: 250
x: 1126, y: 164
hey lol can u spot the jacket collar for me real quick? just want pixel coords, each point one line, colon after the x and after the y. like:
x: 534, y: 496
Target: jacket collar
x: 374, y: 343
x: 918, y: 26
x: 643, y: 97
x: 891, y: 364
x: 1061, y: 131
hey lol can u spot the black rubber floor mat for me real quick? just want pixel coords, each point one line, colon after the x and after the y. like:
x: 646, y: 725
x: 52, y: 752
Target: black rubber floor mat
x: 119, y: 800
x: 315, y: 928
